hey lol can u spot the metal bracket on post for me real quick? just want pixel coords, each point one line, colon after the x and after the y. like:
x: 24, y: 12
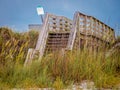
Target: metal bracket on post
x: 41, y: 18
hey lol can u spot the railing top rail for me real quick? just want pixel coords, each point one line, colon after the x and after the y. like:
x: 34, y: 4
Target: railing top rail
x: 95, y: 19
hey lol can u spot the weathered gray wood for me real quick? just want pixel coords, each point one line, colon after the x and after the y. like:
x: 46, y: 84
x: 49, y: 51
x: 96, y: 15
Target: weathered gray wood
x: 29, y: 56
x: 89, y: 25
x: 73, y: 32
x: 51, y: 23
x: 84, y: 30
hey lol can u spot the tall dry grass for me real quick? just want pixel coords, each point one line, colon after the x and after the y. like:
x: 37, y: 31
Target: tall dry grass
x: 58, y: 72
x: 54, y: 70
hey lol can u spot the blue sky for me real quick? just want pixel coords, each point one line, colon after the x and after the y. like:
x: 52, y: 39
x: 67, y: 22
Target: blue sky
x: 17, y: 14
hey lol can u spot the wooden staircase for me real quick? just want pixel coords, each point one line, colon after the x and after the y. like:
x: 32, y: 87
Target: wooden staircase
x: 53, y: 36
x: 56, y: 41
x: 59, y: 32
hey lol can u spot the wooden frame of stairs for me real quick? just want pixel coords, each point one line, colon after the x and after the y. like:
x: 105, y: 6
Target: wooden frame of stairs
x: 90, y: 30
x: 59, y: 32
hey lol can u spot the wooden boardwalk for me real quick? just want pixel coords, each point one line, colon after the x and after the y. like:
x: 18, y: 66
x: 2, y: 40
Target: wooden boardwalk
x: 59, y: 32
x: 89, y: 31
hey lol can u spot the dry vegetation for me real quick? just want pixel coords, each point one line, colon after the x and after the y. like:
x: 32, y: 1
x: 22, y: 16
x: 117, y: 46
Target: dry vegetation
x: 54, y: 70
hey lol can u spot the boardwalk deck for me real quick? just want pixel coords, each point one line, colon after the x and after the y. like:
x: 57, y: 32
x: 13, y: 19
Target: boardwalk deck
x: 59, y: 32
x: 89, y: 30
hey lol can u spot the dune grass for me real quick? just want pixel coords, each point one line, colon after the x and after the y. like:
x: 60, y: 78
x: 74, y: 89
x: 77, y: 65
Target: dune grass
x: 55, y: 70
x: 59, y: 72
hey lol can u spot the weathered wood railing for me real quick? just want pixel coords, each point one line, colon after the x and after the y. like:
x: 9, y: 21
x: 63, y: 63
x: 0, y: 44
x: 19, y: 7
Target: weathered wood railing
x: 90, y: 30
x: 84, y: 30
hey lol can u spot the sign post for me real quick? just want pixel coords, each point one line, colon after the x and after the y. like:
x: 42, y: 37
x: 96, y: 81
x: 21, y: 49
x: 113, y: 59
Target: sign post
x: 40, y: 12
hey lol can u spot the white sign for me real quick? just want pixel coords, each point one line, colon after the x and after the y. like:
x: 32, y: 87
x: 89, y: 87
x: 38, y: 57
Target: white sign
x: 40, y: 10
